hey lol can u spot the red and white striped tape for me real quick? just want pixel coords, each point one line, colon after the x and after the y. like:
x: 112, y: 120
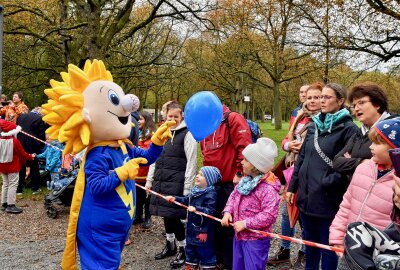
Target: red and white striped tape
x: 274, y: 235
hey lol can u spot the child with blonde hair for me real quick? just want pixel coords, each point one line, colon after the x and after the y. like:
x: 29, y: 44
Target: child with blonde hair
x: 254, y: 205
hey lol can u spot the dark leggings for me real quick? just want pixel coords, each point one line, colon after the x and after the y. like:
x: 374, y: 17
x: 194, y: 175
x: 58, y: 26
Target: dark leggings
x: 223, y: 235
x: 175, y: 226
x: 35, y: 175
x: 142, y: 201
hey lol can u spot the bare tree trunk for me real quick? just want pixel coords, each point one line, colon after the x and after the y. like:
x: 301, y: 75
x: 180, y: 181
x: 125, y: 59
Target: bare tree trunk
x: 277, y: 106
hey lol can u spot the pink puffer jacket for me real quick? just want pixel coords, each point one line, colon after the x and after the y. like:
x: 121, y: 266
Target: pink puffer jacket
x: 367, y: 199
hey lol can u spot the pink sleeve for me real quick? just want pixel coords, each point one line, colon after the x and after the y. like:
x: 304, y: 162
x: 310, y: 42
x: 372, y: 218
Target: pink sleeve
x: 231, y: 201
x: 339, y: 224
x: 270, y: 205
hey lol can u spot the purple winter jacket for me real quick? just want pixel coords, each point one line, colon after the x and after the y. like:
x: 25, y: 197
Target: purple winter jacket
x: 259, y: 209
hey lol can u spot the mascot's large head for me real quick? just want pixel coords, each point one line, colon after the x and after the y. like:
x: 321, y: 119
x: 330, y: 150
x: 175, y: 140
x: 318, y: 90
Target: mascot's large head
x: 87, y: 107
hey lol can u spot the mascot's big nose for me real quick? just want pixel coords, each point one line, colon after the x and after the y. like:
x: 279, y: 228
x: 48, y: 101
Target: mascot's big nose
x: 130, y: 103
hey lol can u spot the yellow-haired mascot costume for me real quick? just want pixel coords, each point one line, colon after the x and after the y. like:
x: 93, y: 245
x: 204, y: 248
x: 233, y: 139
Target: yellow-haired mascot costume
x: 88, y: 110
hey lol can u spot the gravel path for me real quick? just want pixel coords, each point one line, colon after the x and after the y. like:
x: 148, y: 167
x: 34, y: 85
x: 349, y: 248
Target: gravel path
x: 32, y: 240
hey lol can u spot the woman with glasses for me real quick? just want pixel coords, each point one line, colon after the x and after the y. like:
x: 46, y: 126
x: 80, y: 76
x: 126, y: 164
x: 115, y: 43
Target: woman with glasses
x: 369, y: 104
x: 320, y: 188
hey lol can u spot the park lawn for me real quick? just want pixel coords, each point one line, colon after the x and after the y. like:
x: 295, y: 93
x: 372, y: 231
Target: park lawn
x: 276, y: 135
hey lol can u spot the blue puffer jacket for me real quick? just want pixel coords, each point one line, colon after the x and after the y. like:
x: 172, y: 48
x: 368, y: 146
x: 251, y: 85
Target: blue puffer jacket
x: 52, y: 156
x: 197, y: 224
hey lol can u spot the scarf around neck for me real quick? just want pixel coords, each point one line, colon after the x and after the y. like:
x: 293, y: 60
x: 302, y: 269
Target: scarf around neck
x: 330, y: 119
x: 303, y: 113
x: 248, y: 183
x: 196, y: 191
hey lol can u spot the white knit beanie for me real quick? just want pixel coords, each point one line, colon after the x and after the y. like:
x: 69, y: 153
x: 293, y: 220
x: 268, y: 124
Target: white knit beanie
x: 261, y: 154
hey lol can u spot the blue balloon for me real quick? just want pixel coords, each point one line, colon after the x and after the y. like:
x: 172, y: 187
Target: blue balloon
x: 203, y: 114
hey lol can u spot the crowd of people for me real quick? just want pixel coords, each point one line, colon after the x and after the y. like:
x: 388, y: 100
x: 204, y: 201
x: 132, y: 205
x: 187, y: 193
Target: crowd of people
x: 339, y: 173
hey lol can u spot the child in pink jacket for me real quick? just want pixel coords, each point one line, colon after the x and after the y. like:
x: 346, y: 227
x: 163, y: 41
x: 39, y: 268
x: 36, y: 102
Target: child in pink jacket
x: 253, y: 205
x: 369, y: 195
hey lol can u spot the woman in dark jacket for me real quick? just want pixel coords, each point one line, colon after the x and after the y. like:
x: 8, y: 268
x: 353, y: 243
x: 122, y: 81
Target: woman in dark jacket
x: 320, y: 188
x: 173, y: 175
x: 369, y: 105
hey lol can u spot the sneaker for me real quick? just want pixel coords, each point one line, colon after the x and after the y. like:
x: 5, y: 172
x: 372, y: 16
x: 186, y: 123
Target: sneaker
x: 282, y: 256
x: 3, y: 207
x: 13, y: 209
x: 36, y: 191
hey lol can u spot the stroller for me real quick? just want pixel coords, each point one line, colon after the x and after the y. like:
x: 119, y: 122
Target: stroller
x: 62, y: 196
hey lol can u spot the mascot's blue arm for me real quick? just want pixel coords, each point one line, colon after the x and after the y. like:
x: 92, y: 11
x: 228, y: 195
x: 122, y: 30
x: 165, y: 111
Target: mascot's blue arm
x: 151, y: 154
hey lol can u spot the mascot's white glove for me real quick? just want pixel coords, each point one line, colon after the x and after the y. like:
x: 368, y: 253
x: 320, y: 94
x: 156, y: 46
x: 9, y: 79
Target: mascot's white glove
x: 130, y: 169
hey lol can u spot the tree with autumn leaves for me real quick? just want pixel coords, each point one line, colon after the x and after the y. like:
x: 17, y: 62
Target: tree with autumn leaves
x: 162, y: 50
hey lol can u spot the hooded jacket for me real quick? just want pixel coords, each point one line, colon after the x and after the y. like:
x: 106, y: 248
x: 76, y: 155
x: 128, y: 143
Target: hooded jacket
x: 52, y: 156
x: 259, y: 209
x: 223, y: 149
x: 320, y: 188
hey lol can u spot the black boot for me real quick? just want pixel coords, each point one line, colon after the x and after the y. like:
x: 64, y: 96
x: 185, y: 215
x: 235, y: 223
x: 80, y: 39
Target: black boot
x: 11, y: 208
x: 179, y: 259
x: 147, y: 223
x: 282, y: 256
x: 3, y: 207
x: 168, y: 250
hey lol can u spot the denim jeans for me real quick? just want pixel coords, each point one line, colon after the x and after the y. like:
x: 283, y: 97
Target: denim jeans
x: 287, y: 231
x: 316, y: 229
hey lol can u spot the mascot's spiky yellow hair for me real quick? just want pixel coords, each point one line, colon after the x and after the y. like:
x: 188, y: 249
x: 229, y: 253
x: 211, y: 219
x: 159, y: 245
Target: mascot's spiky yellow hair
x: 63, y: 111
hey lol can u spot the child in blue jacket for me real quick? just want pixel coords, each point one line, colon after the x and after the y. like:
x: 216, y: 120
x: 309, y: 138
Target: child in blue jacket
x: 52, y: 155
x: 200, y: 230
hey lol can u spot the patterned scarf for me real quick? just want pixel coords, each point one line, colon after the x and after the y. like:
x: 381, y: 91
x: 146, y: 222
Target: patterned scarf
x: 196, y: 191
x: 330, y: 119
x: 248, y: 183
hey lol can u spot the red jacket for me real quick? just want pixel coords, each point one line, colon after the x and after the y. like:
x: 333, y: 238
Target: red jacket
x: 19, y: 157
x: 143, y: 171
x: 223, y: 149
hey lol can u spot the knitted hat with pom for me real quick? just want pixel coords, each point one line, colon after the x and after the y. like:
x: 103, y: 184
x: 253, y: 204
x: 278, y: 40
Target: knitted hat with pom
x: 261, y: 154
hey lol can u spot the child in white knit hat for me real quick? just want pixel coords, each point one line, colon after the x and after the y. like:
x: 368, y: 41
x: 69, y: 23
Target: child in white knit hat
x: 254, y: 205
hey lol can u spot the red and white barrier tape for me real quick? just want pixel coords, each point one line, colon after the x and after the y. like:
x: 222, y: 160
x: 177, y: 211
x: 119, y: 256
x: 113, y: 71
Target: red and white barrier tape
x: 274, y: 235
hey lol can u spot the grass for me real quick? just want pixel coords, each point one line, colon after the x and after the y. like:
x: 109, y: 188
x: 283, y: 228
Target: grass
x: 276, y: 135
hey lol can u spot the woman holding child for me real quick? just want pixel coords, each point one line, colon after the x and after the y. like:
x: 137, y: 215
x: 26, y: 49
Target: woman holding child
x: 320, y: 188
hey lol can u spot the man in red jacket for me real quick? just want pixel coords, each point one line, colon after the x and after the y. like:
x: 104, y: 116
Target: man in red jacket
x: 223, y: 149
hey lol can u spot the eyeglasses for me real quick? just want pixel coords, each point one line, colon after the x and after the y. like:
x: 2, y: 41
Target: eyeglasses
x: 359, y: 104
x: 326, y: 97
